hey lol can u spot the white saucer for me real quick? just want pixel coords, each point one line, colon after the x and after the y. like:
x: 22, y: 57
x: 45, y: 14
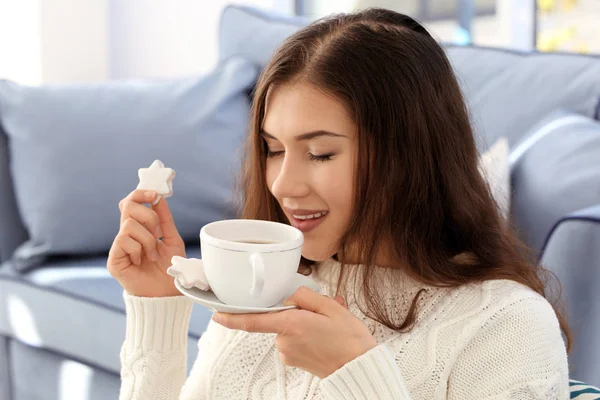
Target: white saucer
x: 210, y: 301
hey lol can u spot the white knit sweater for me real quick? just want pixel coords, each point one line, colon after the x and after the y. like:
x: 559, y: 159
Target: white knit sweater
x: 495, y: 340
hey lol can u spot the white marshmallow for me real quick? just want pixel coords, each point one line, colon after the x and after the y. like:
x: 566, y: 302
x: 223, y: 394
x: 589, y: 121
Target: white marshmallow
x: 157, y: 178
x: 189, y: 272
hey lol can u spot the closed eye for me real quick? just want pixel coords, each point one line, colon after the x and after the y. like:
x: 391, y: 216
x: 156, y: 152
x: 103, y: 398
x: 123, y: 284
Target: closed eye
x: 271, y: 154
x: 323, y: 157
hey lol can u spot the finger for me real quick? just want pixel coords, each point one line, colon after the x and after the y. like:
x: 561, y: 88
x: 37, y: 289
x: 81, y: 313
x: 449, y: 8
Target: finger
x: 140, y: 234
x: 140, y: 196
x: 166, y: 222
x: 257, y: 323
x: 310, y: 300
x: 340, y: 300
x: 125, y: 246
x: 144, y: 215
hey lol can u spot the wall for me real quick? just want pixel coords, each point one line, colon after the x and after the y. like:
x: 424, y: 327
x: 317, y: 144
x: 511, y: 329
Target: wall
x: 20, y: 40
x: 74, y: 40
x: 58, y: 41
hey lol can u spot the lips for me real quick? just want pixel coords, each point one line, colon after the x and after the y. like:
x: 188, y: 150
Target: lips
x: 306, y: 220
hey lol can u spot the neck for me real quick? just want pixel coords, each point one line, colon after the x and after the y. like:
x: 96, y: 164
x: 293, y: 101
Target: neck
x: 383, y: 257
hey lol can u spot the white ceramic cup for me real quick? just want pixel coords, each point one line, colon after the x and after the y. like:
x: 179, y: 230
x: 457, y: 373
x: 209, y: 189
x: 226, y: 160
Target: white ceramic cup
x: 240, y: 271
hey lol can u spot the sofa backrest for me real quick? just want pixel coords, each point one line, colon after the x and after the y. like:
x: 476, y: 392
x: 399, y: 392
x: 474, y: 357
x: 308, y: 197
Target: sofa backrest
x: 509, y: 92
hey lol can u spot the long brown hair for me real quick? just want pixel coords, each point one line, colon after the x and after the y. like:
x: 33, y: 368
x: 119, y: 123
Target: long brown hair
x: 416, y: 147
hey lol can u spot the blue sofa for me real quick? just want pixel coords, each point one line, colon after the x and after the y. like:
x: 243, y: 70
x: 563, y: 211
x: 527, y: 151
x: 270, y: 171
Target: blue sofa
x: 68, y: 153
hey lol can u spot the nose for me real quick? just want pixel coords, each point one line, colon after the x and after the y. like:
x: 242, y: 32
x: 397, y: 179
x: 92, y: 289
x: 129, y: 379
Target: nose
x: 290, y: 180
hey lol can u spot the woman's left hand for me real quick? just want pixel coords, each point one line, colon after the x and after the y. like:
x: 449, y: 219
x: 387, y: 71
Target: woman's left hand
x: 319, y: 337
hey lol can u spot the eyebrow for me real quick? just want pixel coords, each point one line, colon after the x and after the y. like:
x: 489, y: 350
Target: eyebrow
x: 307, y: 135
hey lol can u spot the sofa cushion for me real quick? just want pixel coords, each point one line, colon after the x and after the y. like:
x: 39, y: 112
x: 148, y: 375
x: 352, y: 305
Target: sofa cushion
x: 12, y: 230
x: 254, y: 33
x: 75, y: 151
x: 582, y: 391
x: 558, y: 174
x: 75, y: 308
x: 508, y: 92
x: 494, y: 166
x: 573, y: 255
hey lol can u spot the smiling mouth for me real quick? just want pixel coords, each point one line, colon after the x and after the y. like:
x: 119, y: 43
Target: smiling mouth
x: 308, y: 222
x: 310, y: 216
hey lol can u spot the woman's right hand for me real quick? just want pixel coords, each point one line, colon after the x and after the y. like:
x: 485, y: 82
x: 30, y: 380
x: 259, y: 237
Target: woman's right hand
x: 138, y: 260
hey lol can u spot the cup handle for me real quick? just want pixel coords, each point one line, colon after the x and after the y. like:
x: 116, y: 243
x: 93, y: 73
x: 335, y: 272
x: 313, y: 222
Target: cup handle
x: 258, y: 275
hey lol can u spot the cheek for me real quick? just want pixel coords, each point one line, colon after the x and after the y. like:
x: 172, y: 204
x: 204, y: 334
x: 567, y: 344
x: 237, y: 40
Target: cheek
x: 342, y: 204
x: 334, y: 191
x: 336, y: 185
x: 343, y: 197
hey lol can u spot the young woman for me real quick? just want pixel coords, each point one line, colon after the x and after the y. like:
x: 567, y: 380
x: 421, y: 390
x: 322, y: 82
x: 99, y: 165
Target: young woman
x: 358, y: 123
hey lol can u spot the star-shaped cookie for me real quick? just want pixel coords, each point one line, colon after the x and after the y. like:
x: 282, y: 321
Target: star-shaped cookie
x: 157, y: 178
x: 189, y: 272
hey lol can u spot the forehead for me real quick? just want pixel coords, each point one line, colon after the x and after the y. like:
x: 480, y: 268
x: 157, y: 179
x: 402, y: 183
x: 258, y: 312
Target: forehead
x: 292, y: 109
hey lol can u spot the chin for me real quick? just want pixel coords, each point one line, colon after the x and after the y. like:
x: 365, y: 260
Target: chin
x: 316, y: 253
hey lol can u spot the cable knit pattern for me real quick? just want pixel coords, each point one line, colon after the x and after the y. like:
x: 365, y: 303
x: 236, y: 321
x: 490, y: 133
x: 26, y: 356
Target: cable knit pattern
x: 155, y: 347
x: 493, y: 340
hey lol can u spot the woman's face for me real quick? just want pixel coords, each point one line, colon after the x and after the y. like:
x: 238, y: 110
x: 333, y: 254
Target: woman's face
x: 312, y: 147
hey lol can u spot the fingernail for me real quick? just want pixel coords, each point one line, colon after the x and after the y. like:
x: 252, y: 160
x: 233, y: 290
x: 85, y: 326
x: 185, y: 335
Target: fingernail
x: 217, y: 318
x: 158, y: 232
x: 150, y: 194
